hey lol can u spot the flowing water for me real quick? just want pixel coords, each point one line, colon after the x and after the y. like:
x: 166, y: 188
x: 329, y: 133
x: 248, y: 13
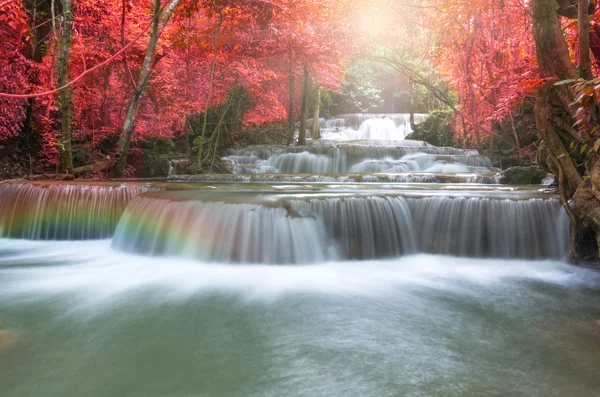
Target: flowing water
x: 95, y: 322
x: 359, y: 143
x: 349, y: 267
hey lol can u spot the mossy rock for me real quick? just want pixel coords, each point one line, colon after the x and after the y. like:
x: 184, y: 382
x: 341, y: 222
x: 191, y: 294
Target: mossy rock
x: 436, y: 129
x: 523, y: 176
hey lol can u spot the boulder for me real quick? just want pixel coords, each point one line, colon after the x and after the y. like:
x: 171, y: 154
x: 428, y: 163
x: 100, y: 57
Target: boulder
x: 522, y: 176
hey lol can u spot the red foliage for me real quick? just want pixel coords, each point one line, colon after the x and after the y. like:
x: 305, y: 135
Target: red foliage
x: 486, y: 51
x: 17, y: 73
x: 257, y: 41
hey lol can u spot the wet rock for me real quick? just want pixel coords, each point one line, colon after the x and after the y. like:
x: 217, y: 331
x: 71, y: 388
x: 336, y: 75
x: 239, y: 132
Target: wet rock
x: 586, y: 208
x: 43, y: 177
x: 523, y: 176
x: 8, y: 339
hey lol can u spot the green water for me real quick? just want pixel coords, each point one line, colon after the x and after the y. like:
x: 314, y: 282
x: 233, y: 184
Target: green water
x: 93, y: 322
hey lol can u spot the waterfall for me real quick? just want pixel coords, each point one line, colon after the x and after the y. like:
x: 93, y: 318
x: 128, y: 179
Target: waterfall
x: 337, y: 122
x: 58, y: 211
x: 301, y: 229
x: 488, y: 178
x: 305, y: 162
x: 411, y: 177
x: 343, y: 158
x: 374, y: 127
x: 220, y: 232
x: 370, y: 142
x: 399, y: 119
x: 359, y: 143
x: 482, y: 227
x: 380, y: 129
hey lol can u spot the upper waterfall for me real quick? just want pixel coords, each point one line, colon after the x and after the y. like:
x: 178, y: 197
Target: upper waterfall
x: 359, y: 144
x: 368, y: 126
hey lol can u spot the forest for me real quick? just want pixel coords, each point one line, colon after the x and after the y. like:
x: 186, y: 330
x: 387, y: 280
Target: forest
x: 292, y: 198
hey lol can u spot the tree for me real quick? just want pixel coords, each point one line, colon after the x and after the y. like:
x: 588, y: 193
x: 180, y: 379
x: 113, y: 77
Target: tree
x: 566, y: 118
x: 126, y: 89
x: 65, y: 99
x: 160, y: 19
x: 16, y: 70
x: 304, y: 107
x: 316, y: 128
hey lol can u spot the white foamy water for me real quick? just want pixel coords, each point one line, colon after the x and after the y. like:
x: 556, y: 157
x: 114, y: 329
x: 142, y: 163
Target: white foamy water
x: 359, y: 143
x: 94, y: 322
x: 369, y: 127
x: 94, y: 271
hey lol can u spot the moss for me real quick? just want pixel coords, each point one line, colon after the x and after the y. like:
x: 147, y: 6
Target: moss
x: 436, y: 129
x: 156, y: 154
x: 523, y: 176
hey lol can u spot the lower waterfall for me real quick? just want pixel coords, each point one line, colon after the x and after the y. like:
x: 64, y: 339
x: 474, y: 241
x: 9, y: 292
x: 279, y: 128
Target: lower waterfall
x: 221, y: 232
x: 59, y: 211
x: 272, y: 229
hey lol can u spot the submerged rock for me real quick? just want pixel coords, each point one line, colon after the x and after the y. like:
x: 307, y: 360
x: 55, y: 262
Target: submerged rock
x: 523, y: 176
x: 8, y: 339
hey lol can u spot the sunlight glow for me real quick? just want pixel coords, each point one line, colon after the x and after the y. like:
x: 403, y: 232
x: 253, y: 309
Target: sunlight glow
x: 374, y: 19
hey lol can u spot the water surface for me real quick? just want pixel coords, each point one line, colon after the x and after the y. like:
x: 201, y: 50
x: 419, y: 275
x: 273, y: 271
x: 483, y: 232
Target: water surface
x: 96, y: 322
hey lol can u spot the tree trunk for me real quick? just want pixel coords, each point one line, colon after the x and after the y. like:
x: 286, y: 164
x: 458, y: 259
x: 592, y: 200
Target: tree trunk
x: 411, y: 106
x: 65, y: 96
x: 551, y: 46
x: 554, y: 64
x: 585, y: 62
x: 304, y: 108
x: 316, y: 127
x: 547, y: 132
x: 158, y: 23
x: 210, y: 88
x: 291, y: 103
x: 554, y: 115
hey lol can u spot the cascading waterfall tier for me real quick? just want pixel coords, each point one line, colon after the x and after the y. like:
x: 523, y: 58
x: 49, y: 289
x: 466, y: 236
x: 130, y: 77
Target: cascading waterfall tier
x: 220, y: 231
x: 399, y: 119
x: 370, y: 142
x: 375, y: 127
x: 344, y: 158
x: 59, y: 211
x: 486, y: 178
x: 377, y: 145
x: 307, y: 228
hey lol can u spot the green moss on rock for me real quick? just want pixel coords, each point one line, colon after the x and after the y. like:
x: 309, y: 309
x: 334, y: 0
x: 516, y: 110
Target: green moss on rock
x: 523, y: 176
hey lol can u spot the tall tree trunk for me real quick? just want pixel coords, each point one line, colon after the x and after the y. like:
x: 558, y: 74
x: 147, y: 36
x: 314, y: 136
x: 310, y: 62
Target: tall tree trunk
x: 65, y: 96
x: 304, y: 108
x: 159, y: 21
x: 411, y: 105
x: 554, y: 64
x: 585, y: 62
x: 547, y: 132
x: 316, y: 127
x: 210, y: 88
x: 291, y: 103
x: 551, y: 46
x: 553, y: 105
